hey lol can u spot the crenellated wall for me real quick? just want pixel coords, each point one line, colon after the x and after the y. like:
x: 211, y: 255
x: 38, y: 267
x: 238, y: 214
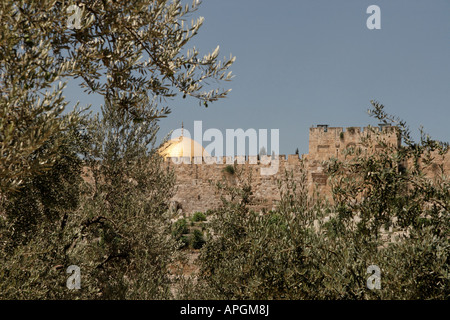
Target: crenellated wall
x: 197, y: 177
x: 196, y: 183
x: 326, y: 142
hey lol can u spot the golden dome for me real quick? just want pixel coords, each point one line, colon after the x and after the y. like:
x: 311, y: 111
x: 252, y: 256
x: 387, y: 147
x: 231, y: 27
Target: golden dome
x: 182, y: 147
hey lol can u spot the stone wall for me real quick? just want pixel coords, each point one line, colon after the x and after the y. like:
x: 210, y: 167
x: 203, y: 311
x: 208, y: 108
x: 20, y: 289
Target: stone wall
x: 326, y: 142
x: 196, y: 178
x: 196, y: 188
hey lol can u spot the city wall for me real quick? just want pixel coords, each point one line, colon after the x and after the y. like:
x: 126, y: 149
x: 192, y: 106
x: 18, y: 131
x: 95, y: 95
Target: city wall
x: 196, y: 179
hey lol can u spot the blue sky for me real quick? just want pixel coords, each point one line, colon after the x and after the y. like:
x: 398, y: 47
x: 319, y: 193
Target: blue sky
x: 303, y: 63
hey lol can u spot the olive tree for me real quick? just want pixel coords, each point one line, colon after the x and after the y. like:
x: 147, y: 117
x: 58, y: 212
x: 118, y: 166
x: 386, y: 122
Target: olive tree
x: 133, y: 54
x: 127, y: 51
x: 387, y: 213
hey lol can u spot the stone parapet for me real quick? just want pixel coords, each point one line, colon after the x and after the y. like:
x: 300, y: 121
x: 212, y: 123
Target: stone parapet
x: 197, y: 176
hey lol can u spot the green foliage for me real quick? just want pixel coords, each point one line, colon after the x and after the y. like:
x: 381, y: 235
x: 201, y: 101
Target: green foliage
x: 383, y: 214
x: 114, y: 226
x: 127, y: 236
x: 229, y: 169
x: 196, y: 240
x: 33, y: 224
x: 180, y: 231
x: 185, y: 241
x: 30, y: 111
x: 179, y: 228
x: 253, y: 256
x: 141, y: 67
x: 198, y: 216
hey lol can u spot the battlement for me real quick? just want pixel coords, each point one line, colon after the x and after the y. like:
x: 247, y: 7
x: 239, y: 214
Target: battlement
x: 325, y: 141
x: 229, y: 160
x: 196, y: 176
x: 325, y: 130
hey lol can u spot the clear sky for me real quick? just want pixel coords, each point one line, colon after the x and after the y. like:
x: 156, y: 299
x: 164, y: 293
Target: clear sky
x: 306, y: 62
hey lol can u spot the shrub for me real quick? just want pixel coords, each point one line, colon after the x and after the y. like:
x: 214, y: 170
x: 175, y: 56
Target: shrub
x: 197, y: 240
x: 295, y: 253
x: 199, y: 216
x: 185, y: 241
x: 229, y: 169
x: 116, y: 228
x: 179, y: 228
